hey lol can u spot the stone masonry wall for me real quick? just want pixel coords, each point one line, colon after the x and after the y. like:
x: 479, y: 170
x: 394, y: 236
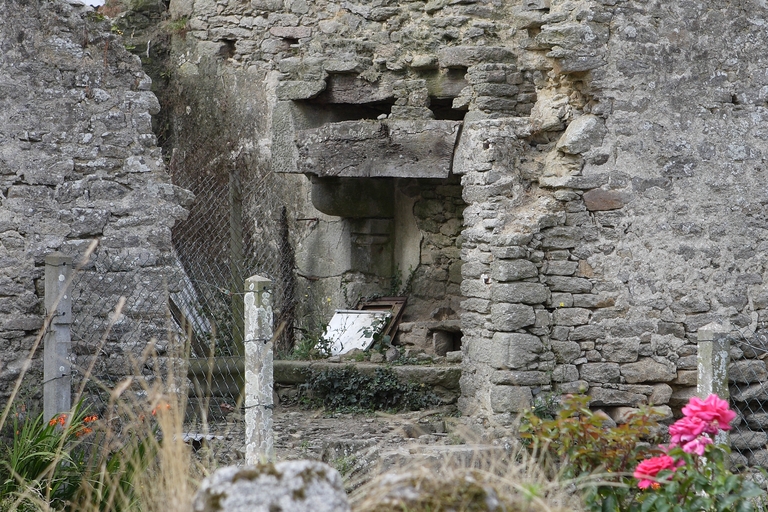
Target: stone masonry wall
x: 79, y: 162
x: 611, y: 159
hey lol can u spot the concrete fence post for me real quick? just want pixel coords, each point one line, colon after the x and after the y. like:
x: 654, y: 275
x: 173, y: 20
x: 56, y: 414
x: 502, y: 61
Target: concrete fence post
x: 57, y: 385
x: 713, y: 359
x: 259, y: 442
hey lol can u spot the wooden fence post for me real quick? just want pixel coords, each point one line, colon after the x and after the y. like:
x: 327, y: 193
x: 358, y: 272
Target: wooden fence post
x: 57, y: 385
x: 713, y: 359
x: 259, y: 443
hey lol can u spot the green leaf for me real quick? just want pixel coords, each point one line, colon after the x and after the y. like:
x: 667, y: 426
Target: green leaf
x: 648, y: 503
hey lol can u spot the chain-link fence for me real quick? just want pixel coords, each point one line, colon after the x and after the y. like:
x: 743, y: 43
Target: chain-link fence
x: 237, y: 227
x: 748, y: 380
x: 120, y: 321
x: 192, y: 304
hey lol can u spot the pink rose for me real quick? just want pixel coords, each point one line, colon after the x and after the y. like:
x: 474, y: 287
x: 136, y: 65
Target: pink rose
x: 698, y: 445
x: 712, y: 410
x: 647, y: 470
x: 686, y: 429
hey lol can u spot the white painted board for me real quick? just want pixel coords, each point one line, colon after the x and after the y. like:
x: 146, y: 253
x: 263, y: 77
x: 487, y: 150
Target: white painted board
x: 350, y: 329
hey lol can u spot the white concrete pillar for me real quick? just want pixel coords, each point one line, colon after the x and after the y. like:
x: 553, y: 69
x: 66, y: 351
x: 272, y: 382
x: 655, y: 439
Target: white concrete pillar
x: 259, y: 441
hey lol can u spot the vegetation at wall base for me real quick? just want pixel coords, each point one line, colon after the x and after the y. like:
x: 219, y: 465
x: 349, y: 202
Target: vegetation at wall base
x: 348, y: 390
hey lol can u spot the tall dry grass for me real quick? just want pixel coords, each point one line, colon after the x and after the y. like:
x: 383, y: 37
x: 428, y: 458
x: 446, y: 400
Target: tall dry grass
x: 476, y: 476
x: 133, y: 456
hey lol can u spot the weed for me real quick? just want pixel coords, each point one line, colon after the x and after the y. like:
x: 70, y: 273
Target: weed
x: 312, y: 345
x: 344, y: 465
x: 179, y: 26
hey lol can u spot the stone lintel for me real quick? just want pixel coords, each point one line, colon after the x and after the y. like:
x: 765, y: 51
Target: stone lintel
x: 378, y: 149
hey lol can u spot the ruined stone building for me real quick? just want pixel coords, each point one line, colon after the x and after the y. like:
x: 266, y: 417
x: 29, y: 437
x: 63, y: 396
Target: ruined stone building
x: 580, y: 183
x: 569, y: 189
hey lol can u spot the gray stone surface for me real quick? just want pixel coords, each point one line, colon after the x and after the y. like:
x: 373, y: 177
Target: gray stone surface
x: 378, y: 149
x: 511, y: 317
x: 748, y: 440
x: 600, y: 372
x: 301, y: 486
x: 648, y: 370
x: 79, y: 163
x: 747, y: 371
x: 510, y: 398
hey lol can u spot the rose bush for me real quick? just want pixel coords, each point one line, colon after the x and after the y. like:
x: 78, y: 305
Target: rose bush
x: 692, y: 475
x: 622, y: 469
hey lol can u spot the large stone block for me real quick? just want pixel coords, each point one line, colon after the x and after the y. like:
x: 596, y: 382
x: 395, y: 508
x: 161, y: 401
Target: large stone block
x: 604, y: 397
x: 748, y: 440
x: 527, y: 293
x: 513, y: 270
x: 757, y: 392
x: 601, y: 200
x: 648, y: 370
x: 587, y: 333
x: 565, y: 351
x: 522, y: 349
x: 511, y: 317
x: 565, y: 373
x: 571, y: 316
x: 747, y: 371
x: 661, y: 394
x: 600, y: 372
x: 569, y: 284
x: 510, y: 399
x: 298, y: 486
x: 758, y: 421
x: 394, y: 148
x: 621, y: 350
x: 493, y: 352
x: 561, y: 267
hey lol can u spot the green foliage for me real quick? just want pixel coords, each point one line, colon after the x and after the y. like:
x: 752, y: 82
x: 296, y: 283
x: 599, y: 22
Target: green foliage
x: 312, y: 345
x: 701, y: 484
x: 344, y: 465
x: 575, y: 442
x: 108, y: 480
x: 576, y: 446
x: 346, y: 389
x: 66, y: 464
x: 41, y: 464
x: 398, y: 285
x: 179, y: 26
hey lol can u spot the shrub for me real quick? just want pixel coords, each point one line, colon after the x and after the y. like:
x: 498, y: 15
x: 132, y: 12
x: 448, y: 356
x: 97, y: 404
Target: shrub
x: 690, y: 474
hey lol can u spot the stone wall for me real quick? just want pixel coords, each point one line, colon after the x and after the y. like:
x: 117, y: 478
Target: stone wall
x: 79, y: 162
x: 611, y: 162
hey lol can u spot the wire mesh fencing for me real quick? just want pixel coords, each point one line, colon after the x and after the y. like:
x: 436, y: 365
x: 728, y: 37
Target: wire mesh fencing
x: 748, y: 379
x: 187, y: 310
x: 237, y: 227
x: 121, y: 326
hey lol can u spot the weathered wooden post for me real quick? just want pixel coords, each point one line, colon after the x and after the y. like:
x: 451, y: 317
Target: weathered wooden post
x: 259, y: 443
x: 57, y: 386
x: 236, y: 260
x: 713, y: 359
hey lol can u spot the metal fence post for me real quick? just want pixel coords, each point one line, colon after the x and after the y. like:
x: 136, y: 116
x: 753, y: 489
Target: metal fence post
x: 259, y: 443
x: 713, y: 359
x: 57, y: 386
